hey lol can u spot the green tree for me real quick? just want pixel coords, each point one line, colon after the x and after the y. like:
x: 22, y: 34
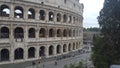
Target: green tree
x: 106, y: 48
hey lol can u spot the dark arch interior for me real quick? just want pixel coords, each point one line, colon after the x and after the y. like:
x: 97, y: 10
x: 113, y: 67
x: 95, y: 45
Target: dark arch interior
x: 5, y: 11
x: 31, y: 33
x: 42, y: 15
x: 18, y: 53
x: 31, y: 52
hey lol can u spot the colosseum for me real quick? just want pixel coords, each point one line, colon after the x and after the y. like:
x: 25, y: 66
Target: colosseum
x: 32, y: 29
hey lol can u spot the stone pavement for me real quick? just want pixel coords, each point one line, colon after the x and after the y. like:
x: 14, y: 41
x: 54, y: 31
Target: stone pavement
x: 48, y: 63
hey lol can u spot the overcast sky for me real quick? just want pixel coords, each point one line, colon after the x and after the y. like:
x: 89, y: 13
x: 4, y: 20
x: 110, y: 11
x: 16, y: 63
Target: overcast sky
x: 91, y: 11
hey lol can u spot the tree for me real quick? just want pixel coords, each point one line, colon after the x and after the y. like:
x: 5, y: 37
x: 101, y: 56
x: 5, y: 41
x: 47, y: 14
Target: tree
x: 106, y: 49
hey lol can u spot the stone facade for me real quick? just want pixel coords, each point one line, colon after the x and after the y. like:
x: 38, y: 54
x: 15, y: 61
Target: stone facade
x: 31, y: 29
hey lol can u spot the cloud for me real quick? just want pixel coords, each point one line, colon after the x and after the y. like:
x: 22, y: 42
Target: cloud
x: 91, y: 11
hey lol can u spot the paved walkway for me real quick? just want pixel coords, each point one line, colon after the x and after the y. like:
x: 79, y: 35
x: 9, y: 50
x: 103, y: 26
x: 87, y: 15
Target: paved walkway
x: 48, y: 64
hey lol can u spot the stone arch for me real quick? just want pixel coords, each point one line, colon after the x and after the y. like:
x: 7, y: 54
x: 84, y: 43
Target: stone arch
x: 4, y: 32
x: 18, y: 12
x: 64, y: 48
x: 69, y: 47
x: 70, y: 19
x: 51, y: 32
x: 65, y: 33
x: 4, y: 10
x: 58, y: 17
x: 51, y: 16
x: 31, y: 33
x: 73, y: 46
x: 4, y: 55
x: 42, y: 15
x: 70, y: 32
x: 73, y: 19
x: 42, y: 51
x: 59, y: 33
x: 51, y: 50
x: 31, y: 13
x: 18, y: 32
x: 18, y: 53
x: 58, y: 49
x: 73, y: 33
x: 31, y: 52
x: 77, y: 45
x: 65, y: 18
x: 42, y: 32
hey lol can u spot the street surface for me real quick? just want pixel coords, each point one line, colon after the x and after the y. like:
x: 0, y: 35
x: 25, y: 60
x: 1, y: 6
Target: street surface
x: 49, y: 63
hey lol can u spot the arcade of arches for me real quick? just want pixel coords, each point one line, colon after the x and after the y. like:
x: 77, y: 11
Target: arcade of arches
x: 52, y: 50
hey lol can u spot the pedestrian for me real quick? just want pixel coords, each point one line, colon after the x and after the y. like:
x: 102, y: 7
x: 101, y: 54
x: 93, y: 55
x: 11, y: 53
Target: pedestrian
x: 55, y: 62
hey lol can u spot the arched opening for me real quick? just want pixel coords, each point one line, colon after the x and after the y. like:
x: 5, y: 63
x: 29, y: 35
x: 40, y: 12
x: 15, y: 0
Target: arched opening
x: 73, y: 33
x: 31, y: 33
x: 31, y: 52
x: 58, y: 17
x: 18, y: 32
x: 31, y: 13
x: 42, y: 32
x: 69, y: 47
x: 51, y: 16
x: 70, y: 32
x: 51, y: 33
x: 64, y: 18
x: 51, y: 49
x: 42, y: 51
x: 70, y: 19
x: 64, y: 33
x: 4, y: 55
x: 58, y: 49
x: 64, y: 48
x: 5, y: 11
x: 42, y: 15
x: 73, y: 19
x: 18, y: 53
x: 4, y: 32
x: 18, y: 12
x: 59, y: 34
x: 73, y: 46
x: 76, y: 45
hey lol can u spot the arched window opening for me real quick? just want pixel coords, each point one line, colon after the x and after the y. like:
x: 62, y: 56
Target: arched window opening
x: 76, y: 45
x: 51, y: 16
x: 5, y: 11
x: 73, y: 19
x: 51, y: 33
x: 4, y: 55
x: 18, y: 12
x: 64, y: 48
x: 51, y: 49
x: 18, y: 32
x: 4, y: 32
x: 59, y: 34
x: 58, y: 49
x: 73, y: 46
x: 42, y: 51
x: 69, y: 47
x: 70, y: 19
x: 18, y: 53
x: 31, y: 52
x: 70, y: 32
x: 42, y: 32
x: 31, y: 33
x: 31, y: 13
x: 42, y: 15
x: 64, y: 33
x: 73, y: 33
x: 58, y: 17
x: 64, y: 18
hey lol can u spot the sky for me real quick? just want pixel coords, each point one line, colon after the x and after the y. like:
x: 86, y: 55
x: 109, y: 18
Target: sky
x: 91, y: 11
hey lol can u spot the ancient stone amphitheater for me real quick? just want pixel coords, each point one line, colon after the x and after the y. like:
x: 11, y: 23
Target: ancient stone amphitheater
x: 31, y: 29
